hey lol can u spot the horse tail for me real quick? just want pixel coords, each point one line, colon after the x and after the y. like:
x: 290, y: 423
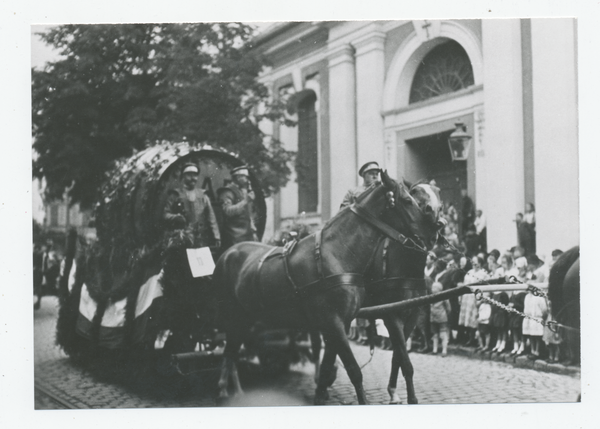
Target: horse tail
x: 557, y: 276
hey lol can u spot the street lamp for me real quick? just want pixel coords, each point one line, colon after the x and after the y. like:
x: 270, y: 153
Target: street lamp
x: 459, y: 142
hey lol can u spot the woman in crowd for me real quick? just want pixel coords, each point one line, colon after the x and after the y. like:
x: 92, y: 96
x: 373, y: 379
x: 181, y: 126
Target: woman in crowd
x: 492, y: 262
x: 484, y: 314
x: 506, y: 268
x: 450, y: 235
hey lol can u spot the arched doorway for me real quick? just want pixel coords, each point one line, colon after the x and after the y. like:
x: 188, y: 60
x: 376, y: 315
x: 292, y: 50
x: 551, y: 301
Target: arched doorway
x: 446, y: 69
x: 431, y: 160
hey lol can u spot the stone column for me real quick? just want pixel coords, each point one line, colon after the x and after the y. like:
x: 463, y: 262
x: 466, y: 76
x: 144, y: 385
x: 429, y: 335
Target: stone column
x: 555, y: 129
x: 503, y: 139
x: 342, y: 115
x: 369, y: 95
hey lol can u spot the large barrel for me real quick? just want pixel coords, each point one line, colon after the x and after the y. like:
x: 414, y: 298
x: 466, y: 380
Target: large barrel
x: 130, y: 211
x: 117, y: 295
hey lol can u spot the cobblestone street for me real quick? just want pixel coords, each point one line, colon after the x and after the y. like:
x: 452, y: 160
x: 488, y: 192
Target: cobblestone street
x: 451, y: 380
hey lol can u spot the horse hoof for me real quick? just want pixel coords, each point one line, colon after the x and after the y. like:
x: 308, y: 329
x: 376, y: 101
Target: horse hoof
x: 413, y: 401
x: 395, y: 402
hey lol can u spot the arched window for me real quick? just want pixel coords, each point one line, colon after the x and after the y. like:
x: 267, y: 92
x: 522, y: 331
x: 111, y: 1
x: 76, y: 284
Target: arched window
x: 307, y: 159
x: 445, y: 69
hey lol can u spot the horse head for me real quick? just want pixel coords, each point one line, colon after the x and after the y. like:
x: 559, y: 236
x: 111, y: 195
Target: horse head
x: 411, y: 210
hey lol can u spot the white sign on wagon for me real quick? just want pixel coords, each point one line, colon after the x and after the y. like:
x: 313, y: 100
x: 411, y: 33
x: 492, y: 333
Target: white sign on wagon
x: 201, y: 262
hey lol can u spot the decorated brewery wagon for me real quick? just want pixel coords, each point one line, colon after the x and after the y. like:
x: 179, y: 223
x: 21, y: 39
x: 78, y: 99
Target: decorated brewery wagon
x: 132, y: 291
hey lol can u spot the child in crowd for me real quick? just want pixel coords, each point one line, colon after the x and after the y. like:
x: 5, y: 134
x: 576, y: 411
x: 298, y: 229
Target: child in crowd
x: 499, y: 322
x: 550, y: 338
x: 534, y: 306
x: 467, y: 318
x: 484, y: 314
x: 515, y: 323
x: 439, y: 317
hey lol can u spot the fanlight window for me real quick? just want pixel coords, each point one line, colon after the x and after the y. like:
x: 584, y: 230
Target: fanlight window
x: 445, y: 69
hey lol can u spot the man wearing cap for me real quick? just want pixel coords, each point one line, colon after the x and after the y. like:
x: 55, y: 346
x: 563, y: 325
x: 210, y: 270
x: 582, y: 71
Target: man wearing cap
x: 188, y: 206
x: 237, y: 202
x: 370, y: 174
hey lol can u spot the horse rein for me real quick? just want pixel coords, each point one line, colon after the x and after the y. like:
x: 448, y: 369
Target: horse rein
x: 387, y: 230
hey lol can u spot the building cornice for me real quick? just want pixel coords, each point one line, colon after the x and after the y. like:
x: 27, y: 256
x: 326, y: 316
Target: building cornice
x: 341, y: 54
x: 374, y: 41
x: 435, y: 100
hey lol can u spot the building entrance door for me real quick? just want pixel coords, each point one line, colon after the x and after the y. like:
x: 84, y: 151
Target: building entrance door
x: 429, y: 158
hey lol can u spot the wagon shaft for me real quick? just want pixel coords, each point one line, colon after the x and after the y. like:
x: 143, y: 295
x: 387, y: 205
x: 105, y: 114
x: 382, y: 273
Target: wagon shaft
x: 381, y: 310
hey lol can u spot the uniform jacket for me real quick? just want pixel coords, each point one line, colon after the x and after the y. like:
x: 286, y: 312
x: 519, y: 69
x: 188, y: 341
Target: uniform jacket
x: 352, y: 195
x: 238, y: 223
x: 198, y: 212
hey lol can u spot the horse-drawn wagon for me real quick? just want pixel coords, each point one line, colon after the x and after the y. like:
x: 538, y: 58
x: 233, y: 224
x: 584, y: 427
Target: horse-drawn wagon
x: 126, y: 292
x: 131, y: 292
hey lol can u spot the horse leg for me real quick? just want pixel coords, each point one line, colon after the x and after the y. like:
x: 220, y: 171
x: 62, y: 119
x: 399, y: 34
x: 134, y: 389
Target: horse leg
x: 326, y: 375
x: 229, y: 368
x: 224, y: 377
x: 336, y: 337
x: 392, y: 384
x: 400, y: 359
x: 315, y: 341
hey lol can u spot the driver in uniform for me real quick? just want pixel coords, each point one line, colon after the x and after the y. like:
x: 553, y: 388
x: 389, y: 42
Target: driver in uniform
x: 370, y: 174
x: 190, y: 207
x: 237, y: 201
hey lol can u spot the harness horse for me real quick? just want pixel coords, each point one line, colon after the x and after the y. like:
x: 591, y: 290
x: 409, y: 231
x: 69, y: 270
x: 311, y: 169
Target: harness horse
x: 320, y: 284
x: 563, y: 291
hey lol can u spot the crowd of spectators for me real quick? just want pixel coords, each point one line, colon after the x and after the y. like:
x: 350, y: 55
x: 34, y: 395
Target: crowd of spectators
x: 46, y: 270
x: 477, y: 323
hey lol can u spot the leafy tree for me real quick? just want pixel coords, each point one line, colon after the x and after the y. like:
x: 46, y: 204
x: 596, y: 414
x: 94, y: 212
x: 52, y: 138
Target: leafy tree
x: 120, y: 88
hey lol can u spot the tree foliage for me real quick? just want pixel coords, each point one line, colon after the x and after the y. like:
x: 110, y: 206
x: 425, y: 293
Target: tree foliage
x: 120, y: 88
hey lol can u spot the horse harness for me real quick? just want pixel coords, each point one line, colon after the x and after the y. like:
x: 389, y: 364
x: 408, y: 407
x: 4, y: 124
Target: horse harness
x: 342, y: 279
x: 408, y: 283
x: 328, y: 282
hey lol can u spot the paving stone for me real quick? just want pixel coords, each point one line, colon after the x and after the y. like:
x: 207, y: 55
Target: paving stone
x: 463, y: 377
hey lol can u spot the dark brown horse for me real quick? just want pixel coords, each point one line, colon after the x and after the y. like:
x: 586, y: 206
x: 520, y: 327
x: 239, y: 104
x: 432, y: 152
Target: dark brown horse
x: 319, y: 285
x: 563, y: 291
x: 397, y: 274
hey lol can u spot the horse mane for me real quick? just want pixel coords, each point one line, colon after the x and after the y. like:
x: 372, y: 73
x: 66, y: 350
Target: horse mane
x: 411, y: 186
x: 557, y: 277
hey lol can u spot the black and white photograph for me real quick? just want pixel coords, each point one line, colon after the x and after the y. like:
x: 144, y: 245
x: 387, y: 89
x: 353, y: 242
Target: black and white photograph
x: 234, y: 214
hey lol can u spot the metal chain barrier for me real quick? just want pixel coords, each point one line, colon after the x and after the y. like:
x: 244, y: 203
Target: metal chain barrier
x: 530, y: 288
x: 551, y: 324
